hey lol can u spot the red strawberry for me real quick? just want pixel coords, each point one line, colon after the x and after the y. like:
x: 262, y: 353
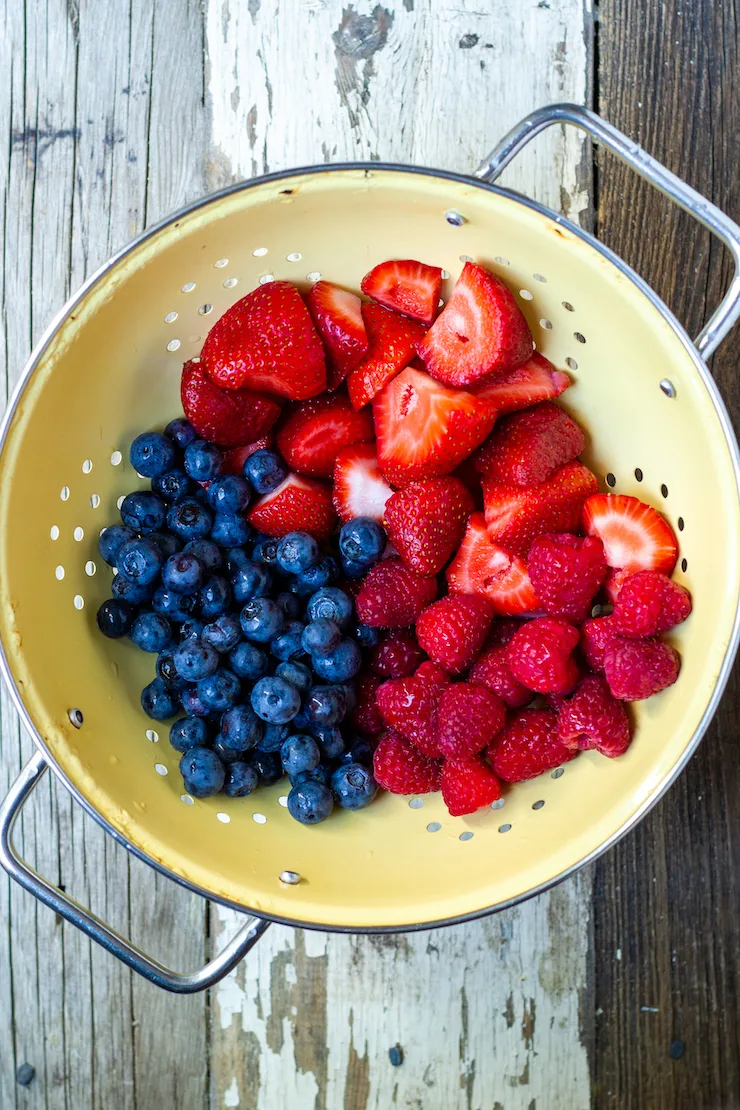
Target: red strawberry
x: 526, y: 448
x: 392, y: 339
x: 468, y: 718
x: 593, y: 718
x: 426, y: 521
x: 528, y: 746
x: 468, y: 785
x: 359, y: 486
x: 537, y: 380
x: 267, y: 341
x: 397, y: 655
x: 634, y: 535
x: 539, y: 655
x: 425, y: 429
x: 482, y: 567
x: 314, y: 433
x: 567, y: 572
x: 637, y: 669
x: 615, y: 579
x: 515, y: 517
x: 338, y: 317
x: 401, y: 768
x: 235, y: 457
x: 297, y: 505
x: 648, y: 603
x: 226, y: 417
x: 470, y: 478
x: 480, y: 331
x: 366, y: 716
x: 492, y: 670
x: 392, y: 596
x: 596, y: 635
x: 406, y: 286
x: 452, y: 630
x: 409, y: 705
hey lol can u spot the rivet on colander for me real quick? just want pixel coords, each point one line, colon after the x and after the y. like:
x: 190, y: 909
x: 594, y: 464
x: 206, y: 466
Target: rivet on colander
x: 466, y: 835
x: 416, y: 803
x: 290, y: 878
x: 455, y: 218
x: 433, y: 826
x: 504, y: 828
x: 499, y: 803
x: 538, y: 805
x: 75, y: 716
x: 558, y: 773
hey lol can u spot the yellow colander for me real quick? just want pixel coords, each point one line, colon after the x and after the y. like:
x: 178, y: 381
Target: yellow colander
x: 109, y: 367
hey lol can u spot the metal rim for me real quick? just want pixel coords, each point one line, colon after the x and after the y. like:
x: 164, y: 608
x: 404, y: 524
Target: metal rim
x: 701, y: 368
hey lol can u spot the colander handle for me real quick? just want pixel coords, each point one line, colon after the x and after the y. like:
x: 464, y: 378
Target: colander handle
x: 96, y: 929
x: 718, y: 326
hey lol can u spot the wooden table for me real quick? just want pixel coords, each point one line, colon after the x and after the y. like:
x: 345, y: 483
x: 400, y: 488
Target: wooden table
x: 618, y: 988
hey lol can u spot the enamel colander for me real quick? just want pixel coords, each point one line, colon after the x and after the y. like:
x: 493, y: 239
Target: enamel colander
x: 108, y: 368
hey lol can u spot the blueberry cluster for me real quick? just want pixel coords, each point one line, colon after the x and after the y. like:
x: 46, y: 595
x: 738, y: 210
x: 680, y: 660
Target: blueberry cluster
x: 255, y: 641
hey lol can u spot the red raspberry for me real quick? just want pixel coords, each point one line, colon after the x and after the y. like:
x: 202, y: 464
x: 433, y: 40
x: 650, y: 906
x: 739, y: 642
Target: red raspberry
x: 528, y: 746
x: 615, y: 579
x: 650, y: 602
x: 468, y: 717
x: 596, y: 635
x: 502, y: 631
x: 539, y: 655
x: 409, y: 705
x: 435, y: 676
x: 393, y: 596
x: 366, y: 716
x: 402, y: 769
x: 453, y: 630
x: 592, y: 718
x: 397, y: 655
x: 493, y: 671
x: 467, y: 785
x: 637, y: 669
x: 566, y: 572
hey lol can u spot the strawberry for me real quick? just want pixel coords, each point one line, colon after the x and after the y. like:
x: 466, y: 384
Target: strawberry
x: 267, y: 341
x: 452, y: 630
x: 338, y: 318
x: 425, y: 429
x: 468, y: 718
x: 637, y: 669
x: 397, y: 655
x: 492, y: 670
x: 648, y: 603
x: 409, y: 705
x: 392, y: 596
x: 528, y: 746
x: 615, y: 579
x: 480, y: 331
x: 526, y: 448
x: 482, y: 567
x: 634, y: 535
x: 426, y: 521
x: 359, y: 486
x: 593, y: 719
x: 468, y: 785
x: 401, y: 768
x: 407, y: 286
x: 365, y: 716
x: 235, y: 457
x: 567, y: 572
x: 392, y: 339
x: 515, y: 517
x: 297, y: 505
x: 539, y: 655
x: 537, y: 380
x: 312, y: 435
x: 228, y: 418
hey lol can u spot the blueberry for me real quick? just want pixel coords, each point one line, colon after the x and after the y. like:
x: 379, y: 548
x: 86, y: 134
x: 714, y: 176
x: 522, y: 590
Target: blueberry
x: 151, y: 632
x: 144, y: 511
x: 235, y: 558
x: 220, y: 690
x: 112, y: 539
x: 248, y: 661
x: 340, y: 664
x: 299, y: 753
x: 132, y: 592
x: 167, y: 671
x: 310, y: 802
x: 182, y: 573
x: 300, y: 722
x: 262, y: 620
x: 159, y: 701
x: 178, y: 607
x: 181, y: 432
x: 325, y: 705
x: 166, y: 542
x: 224, y: 633
x: 173, y: 486
x: 330, y: 742
x: 290, y: 605
x: 115, y: 617
x: 188, y: 732
x: 241, y: 779
x: 297, y: 674
x: 352, y: 569
x: 249, y: 581
x: 268, y: 767
x: 330, y: 602
x: 193, y: 704
x: 296, y: 552
x: 289, y: 644
x: 320, y: 774
x: 241, y: 728
x: 265, y: 471
x: 362, y: 540
x: 320, y: 636
x: 189, y: 629
x: 202, y: 460
x: 273, y: 738
x: 202, y: 772
x: 359, y: 751
x: 214, y: 597
x: 230, y: 529
x: 353, y: 786
x: 275, y: 700
x: 265, y: 550
x: 224, y: 752
x: 321, y: 574
x: 206, y: 552
x: 140, y: 561
x: 365, y: 636
x: 229, y: 494
x: 189, y: 520
x: 152, y: 454
x: 195, y: 660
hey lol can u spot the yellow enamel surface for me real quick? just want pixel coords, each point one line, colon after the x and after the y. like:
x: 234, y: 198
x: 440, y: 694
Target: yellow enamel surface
x: 108, y: 375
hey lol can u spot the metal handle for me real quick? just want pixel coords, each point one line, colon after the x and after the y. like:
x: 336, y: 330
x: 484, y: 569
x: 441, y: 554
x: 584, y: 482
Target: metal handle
x: 96, y: 929
x: 715, y: 330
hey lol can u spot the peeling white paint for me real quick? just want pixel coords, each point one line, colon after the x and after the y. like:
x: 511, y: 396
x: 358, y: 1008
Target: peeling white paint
x: 231, y: 1094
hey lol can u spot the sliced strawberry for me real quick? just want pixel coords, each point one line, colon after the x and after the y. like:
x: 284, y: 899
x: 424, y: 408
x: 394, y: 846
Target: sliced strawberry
x: 337, y: 315
x: 537, y: 380
x: 312, y: 435
x: 615, y: 579
x: 515, y: 517
x: 267, y: 341
x: 526, y: 448
x: 226, y: 417
x: 359, y: 486
x: 426, y: 521
x: 425, y: 429
x: 297, y: 505
x: 634, y: 535
x: 480, y: 331
x: 482, y: 567
x: 234, y: 459
x: 392, y: 346
x: 407, y: 286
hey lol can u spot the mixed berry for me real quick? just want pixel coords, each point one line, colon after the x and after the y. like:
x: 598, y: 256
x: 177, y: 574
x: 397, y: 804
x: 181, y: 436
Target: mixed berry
x: 370, y: 555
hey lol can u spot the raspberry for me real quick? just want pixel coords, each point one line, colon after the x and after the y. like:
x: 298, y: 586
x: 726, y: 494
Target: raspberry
x: 366, y: 716
x: 468, y: 717
x: 637, y: 669
x: 566, y: 572
x: 467, y: 785
x: 409, y: 705
x: 493, y: 671
x: 393, y: 596
x: 539, y: 655
x: 452, y: 631
x: 397, y: 655
x: 528, y: 746
x: 596, y: 635
x: 401, y: 768
x: 615, y: 579
x: 592, y: 718
x: 650, y: 602
x: 502, y: 631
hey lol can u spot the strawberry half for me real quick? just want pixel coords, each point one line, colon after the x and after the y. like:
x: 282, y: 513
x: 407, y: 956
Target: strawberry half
x: 526, y: 448
x: 634, y: 535
x: 313, y: 434
x: 297, y: 505
x: 537, y: 380
x: 425, y: 429
x: 228, y: 418
x: 338, y: 317
x: 407, y: 286
x: 359, y: 486
x: 426, y: 521
x: 482, y: 567
x: 392, y: 346
x: 267, y: 341
x: 480, y: 331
